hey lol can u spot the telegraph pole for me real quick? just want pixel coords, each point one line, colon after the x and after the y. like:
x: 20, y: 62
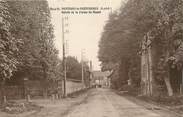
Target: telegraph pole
x: 91, y: 68
x: 64, y: 59
x: 82, y: 65
x: 82, y: 70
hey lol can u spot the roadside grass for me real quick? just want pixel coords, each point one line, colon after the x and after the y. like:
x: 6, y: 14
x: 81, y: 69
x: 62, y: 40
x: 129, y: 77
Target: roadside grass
x: 35, y: 106
x: 14, y: 107
x: 172, y: 104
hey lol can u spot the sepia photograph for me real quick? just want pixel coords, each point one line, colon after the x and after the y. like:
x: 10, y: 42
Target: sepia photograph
x: 91, y: 58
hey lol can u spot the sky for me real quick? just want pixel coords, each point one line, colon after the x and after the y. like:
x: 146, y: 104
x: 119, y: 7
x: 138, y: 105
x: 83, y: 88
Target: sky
x: 84, y: 29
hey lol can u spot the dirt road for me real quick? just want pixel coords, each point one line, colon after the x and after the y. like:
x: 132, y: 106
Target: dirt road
x: 96, y: 103
x: 106, y: 103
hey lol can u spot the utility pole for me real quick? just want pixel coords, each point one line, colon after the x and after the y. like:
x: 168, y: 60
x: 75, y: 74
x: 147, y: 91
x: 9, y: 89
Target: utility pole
x: 91, y: 68
x: 82, y: 65
x: 64, y: 46
x: 64, y: 59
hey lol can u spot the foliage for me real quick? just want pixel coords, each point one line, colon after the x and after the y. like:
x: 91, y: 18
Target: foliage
x: 74, y: 69
x: 126, y: 28
x: 123, y: 33
x: 32, y: 23
x: 8, y: 44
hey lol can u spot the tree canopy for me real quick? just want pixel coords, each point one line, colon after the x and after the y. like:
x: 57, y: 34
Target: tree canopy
x: 31, y: 22
x: 74, y: 69
x: 8, y: 44
x: 126, y: 28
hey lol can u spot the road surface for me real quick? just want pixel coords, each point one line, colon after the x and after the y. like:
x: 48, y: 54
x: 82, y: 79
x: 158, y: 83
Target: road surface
x: 106, y: 103
x: 95, y: 103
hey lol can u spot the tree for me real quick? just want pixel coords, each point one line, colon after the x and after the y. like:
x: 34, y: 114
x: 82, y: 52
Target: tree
x: 73, y: 68
x: 31, y: 22
x: 122, y: 36
x: 8, y: 46
x: 124, y: 32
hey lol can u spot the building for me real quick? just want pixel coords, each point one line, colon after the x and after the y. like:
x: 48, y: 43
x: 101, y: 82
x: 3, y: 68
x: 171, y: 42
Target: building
x: 100, y: 78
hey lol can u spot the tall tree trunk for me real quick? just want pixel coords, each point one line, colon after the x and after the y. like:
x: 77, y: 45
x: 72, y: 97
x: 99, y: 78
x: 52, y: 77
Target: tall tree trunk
x: 45, y: 90
x: 150, y: 63
x: 167, y: 77
x: 167, y: 54
x: 3, y: 96
x: 168, y: 85
x: 144, y: 87
x: 45, y: 85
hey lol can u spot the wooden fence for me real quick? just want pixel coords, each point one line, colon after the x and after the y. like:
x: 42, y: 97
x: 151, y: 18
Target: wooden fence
x: 36, y: 90
x: 14, y: 92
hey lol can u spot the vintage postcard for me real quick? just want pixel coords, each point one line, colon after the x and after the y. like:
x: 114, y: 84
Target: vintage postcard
x: 91, y: 58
